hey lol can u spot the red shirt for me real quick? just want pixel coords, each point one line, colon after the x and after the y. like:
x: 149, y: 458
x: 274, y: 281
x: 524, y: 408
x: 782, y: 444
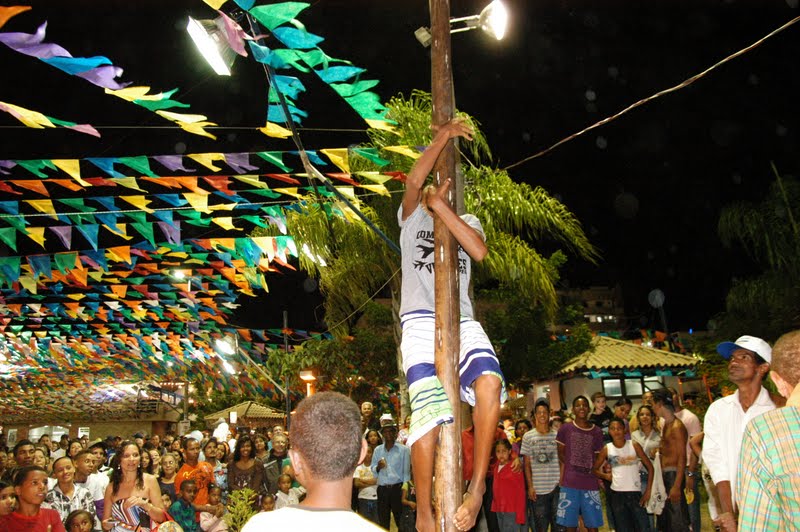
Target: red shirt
x: 468, y: 447
x: 202, y: 474
x: 46, y: 520
x: 508, y: 490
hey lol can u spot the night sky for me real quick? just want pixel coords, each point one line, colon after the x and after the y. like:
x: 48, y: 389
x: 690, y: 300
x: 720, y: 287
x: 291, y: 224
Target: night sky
x: 648, y: 187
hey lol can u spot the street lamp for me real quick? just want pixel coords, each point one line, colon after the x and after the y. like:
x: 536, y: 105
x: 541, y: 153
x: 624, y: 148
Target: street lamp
x: 493, y: 20
x: 307, y: 376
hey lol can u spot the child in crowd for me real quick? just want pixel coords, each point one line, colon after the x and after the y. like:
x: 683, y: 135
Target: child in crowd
x: 287, y: 495
x: 166, y: 500
x: 79, y: 521
x: 182, y: 510
x: 213, y: 521
x: 408, y: 518
x: 626, y: 497
x: 367, y: 485
x: 8, y: 498
x: 267, y: 503
x: 508, y: 501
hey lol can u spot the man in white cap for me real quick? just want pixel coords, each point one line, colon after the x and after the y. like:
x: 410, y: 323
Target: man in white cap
x: 391, y: 464
x: 727, y: 417
x: 767, y: 488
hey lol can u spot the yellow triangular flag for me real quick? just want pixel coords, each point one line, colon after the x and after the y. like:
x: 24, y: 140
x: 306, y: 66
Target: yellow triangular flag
x: 226, y: 222
x: 252, y: 180
x: 276, y: 131
x: 215, y: 4
x: 43, y: 205
x: 36, y: 234
x: 199, y: 202
x: 347, y: 192
x: 380, y: 189
x: 140, y: 202
x: 381, y: 124
x: 30, y: 118
x: 128, y: 182
x: 197, y: 128
x: 291, y: 191
x: 28, y: 283
x: 131, y: 93
x: 123, y: 230
x: 338, y: 156
x: 223, y: 207
x: 404, y: 150
x: 207, y: 160
x: 375, y: 177
x: 71, y: 167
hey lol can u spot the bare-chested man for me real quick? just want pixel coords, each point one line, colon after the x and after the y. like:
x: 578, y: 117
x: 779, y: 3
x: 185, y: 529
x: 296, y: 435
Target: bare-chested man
x: 675, y: 516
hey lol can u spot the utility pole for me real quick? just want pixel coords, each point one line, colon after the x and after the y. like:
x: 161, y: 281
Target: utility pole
x: 449, y: 484
x: 286, y: 375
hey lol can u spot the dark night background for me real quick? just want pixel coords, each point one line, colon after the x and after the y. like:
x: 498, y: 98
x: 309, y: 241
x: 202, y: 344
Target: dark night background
x: 648, y: 187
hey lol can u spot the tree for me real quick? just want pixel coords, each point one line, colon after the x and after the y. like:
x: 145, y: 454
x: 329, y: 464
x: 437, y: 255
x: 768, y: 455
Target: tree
x: 527, y: 350
x: 767, y: 305
x: 353, y: 264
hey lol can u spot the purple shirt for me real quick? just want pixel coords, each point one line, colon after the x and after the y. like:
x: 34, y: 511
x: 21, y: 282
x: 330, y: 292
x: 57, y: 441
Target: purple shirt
x: 580, y: 448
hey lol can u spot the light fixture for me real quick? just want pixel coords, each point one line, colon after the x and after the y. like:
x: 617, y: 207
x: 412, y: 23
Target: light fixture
x: 225, y: 346
x: 233, y: 417
x: 228, y: 366
x: 307, y: 375
x: 492, y: 20
x: 209, y: 37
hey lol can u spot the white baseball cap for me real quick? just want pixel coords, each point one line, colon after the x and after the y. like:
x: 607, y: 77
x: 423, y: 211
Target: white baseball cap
x: 751, y: 343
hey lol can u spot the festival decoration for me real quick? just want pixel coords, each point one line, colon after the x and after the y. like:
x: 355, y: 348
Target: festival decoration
x: 100, y: 71
x: 91, y: 294
x: 37, y: 120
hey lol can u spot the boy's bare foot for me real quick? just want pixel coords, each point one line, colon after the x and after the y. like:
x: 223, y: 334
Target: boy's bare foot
x: 467, y: 513
x: 425, y: 521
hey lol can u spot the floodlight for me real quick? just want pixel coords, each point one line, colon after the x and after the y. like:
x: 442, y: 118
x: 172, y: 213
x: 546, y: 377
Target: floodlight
x: 225, y: 346
x: 493, y: 20
x: 209, y: 37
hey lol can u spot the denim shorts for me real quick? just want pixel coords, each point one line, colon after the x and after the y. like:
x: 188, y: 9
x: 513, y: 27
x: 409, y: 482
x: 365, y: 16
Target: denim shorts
x: 574, y: 502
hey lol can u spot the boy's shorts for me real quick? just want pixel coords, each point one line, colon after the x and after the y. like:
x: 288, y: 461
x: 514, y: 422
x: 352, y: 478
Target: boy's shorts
x: 573, y: 502
x: 429, y: 404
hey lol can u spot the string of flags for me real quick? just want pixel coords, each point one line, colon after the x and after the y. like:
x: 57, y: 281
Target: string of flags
x: 107, y: 307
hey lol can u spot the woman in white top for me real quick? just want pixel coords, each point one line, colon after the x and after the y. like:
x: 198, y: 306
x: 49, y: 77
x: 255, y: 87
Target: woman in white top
x: 627, y: 500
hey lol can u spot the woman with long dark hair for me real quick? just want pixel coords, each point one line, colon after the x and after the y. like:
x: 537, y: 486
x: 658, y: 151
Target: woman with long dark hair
x: 245, y: 470
x: 262, y: 450
x: 649, y: 439
x: 75, y: 446
x: 133, y: 498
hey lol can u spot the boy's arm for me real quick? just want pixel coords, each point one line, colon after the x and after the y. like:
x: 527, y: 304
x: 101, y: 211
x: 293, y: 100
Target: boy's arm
x: 467, y: 237
x: 423, y: 166
x: 597, y: 469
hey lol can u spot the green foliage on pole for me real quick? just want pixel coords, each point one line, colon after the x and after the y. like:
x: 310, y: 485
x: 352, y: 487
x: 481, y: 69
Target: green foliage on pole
x: 240, y: 508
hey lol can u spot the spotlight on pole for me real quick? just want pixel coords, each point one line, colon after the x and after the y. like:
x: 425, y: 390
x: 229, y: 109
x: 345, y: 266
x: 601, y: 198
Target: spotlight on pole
x: 209, y: 37
x: 493, y: 20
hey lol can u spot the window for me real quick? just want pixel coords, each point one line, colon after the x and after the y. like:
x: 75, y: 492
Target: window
x: 615, y: 387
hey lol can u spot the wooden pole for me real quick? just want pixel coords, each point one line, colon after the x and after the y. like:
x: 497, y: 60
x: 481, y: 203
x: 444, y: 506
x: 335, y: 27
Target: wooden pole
x: 448, y: 484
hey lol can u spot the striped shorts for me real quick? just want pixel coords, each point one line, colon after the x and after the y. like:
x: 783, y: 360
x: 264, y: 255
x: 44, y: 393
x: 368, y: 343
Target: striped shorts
x: 429, y: 404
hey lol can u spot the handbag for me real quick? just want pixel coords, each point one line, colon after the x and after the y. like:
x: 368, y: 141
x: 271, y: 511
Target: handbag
x: 167, y: 525
x: 658, y: 492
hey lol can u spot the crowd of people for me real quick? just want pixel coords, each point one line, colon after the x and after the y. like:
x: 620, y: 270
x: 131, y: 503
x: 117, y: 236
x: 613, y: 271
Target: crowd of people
x: 120, y: 485
x: 546, y: 473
